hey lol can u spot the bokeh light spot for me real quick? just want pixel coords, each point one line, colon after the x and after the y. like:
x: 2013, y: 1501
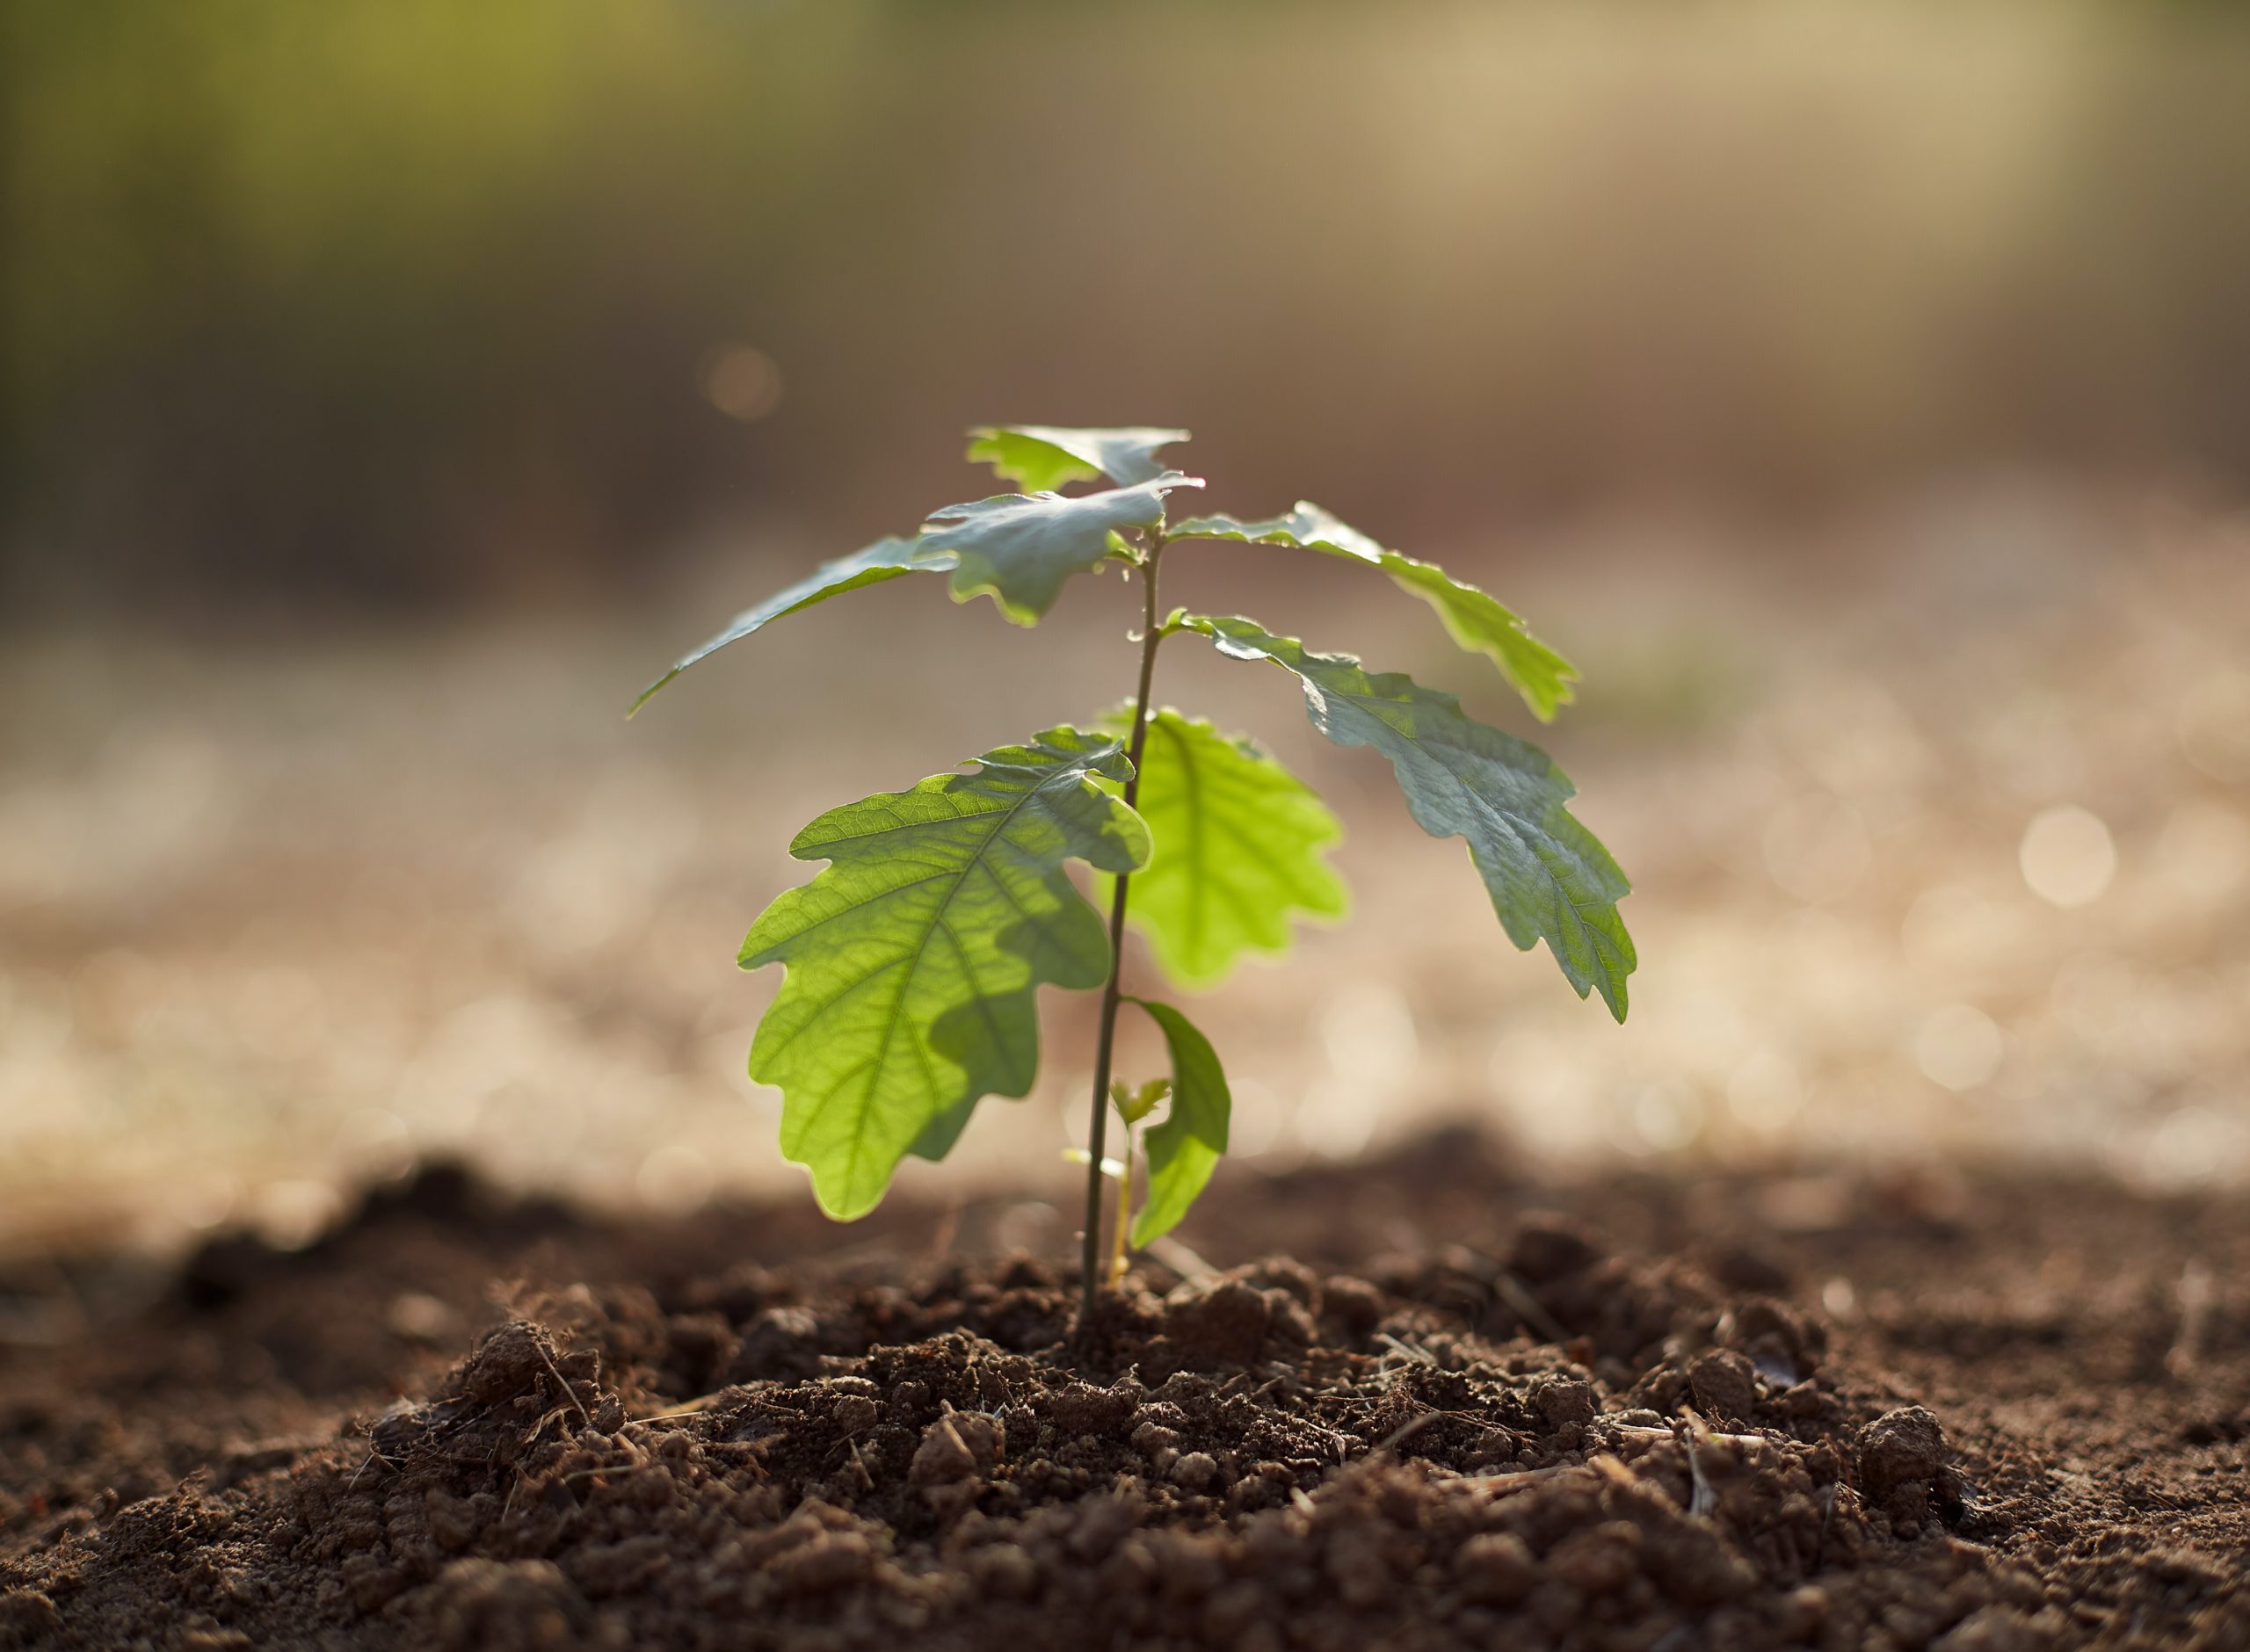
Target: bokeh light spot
x: 743, y: 382
x: 1959, y: 1047
x: 1817, y: 848
x: 2067, y: 855
x: 1765, y: 1091
x: 2214, y: 725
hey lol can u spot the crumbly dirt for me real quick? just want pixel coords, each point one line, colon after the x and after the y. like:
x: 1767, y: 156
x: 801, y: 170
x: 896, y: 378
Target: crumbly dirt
x: 1420, y: 1403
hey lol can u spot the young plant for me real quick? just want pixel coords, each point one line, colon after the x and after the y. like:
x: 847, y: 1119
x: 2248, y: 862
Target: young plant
x: 913, y: 961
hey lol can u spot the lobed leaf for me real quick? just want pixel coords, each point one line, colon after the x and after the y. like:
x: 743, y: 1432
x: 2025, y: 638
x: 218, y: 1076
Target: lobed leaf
x: 1040, y: 457
x: 1239, y: 845
x: 1549, y: 877
x: 885, y: 559
x: 1185, y: 1148
x: 1475, y: 618
x: 1021, y: 549
x: 914, y: 956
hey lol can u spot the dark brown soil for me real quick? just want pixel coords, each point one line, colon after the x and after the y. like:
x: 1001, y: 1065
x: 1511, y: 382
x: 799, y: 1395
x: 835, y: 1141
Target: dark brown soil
x: 1835, y: 1411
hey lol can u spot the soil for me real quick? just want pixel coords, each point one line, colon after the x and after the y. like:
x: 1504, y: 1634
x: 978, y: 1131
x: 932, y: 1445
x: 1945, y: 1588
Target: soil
x: 1420, y: 1403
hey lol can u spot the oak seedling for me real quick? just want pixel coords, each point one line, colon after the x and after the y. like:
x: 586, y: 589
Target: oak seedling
x: 913, y: 960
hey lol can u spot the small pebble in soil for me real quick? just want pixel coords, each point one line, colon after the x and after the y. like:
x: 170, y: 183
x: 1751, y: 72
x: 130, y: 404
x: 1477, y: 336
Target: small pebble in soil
x: 1723, y: 1384
x: 1195, y: 1471
x: 1899, y: 1447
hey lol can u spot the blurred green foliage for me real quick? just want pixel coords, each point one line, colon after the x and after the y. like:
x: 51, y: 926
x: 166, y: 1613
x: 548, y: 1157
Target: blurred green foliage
x: 414, y: 300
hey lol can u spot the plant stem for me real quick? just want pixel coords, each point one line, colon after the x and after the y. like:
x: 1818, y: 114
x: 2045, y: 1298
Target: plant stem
x: 1124, y: 1212
x: 1089, y: 1252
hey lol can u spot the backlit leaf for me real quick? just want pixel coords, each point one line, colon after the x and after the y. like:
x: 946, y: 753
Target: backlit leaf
x: 1239, y: 845
x: 885, y: 559
x: 914, y: 956
x: 1549, y: 877
x: 1019, y: 547
x: 1185, y: 1148
x: 1477, y: 620
x: 1039, y: 458
x: 1022, y: 548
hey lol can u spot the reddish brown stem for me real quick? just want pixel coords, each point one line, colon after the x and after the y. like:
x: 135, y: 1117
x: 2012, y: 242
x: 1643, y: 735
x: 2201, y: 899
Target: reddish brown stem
x: 1105, y: 1046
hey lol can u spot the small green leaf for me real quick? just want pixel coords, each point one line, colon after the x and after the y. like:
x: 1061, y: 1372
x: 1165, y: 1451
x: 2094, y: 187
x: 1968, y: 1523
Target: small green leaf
x: 885, y: 559
x: 1240, y: 844
x: 1135, y: 1102
x: 1549, y: 878
x: 1021, y: 547
x: 1477, y: 619
x: 1185, y: 1148
x: 914, y: 956
x: 1039, y: 458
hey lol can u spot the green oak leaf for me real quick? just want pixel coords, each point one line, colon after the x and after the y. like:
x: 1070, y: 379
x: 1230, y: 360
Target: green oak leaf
x: 914, y: 956
x: 1039, y: 458
x: 1134, y: 1102
x: 1478, y: 621
x: 1239, y: 846
x: 1549, y: 878
x: 1185, y: 1148
x: 1021, y: 549
x: 885, y: 559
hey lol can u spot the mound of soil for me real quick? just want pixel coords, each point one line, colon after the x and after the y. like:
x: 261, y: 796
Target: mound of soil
x: 1444, y: 1410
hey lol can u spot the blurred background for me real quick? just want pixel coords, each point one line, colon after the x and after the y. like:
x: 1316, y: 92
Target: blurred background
x: 1859, y: 392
